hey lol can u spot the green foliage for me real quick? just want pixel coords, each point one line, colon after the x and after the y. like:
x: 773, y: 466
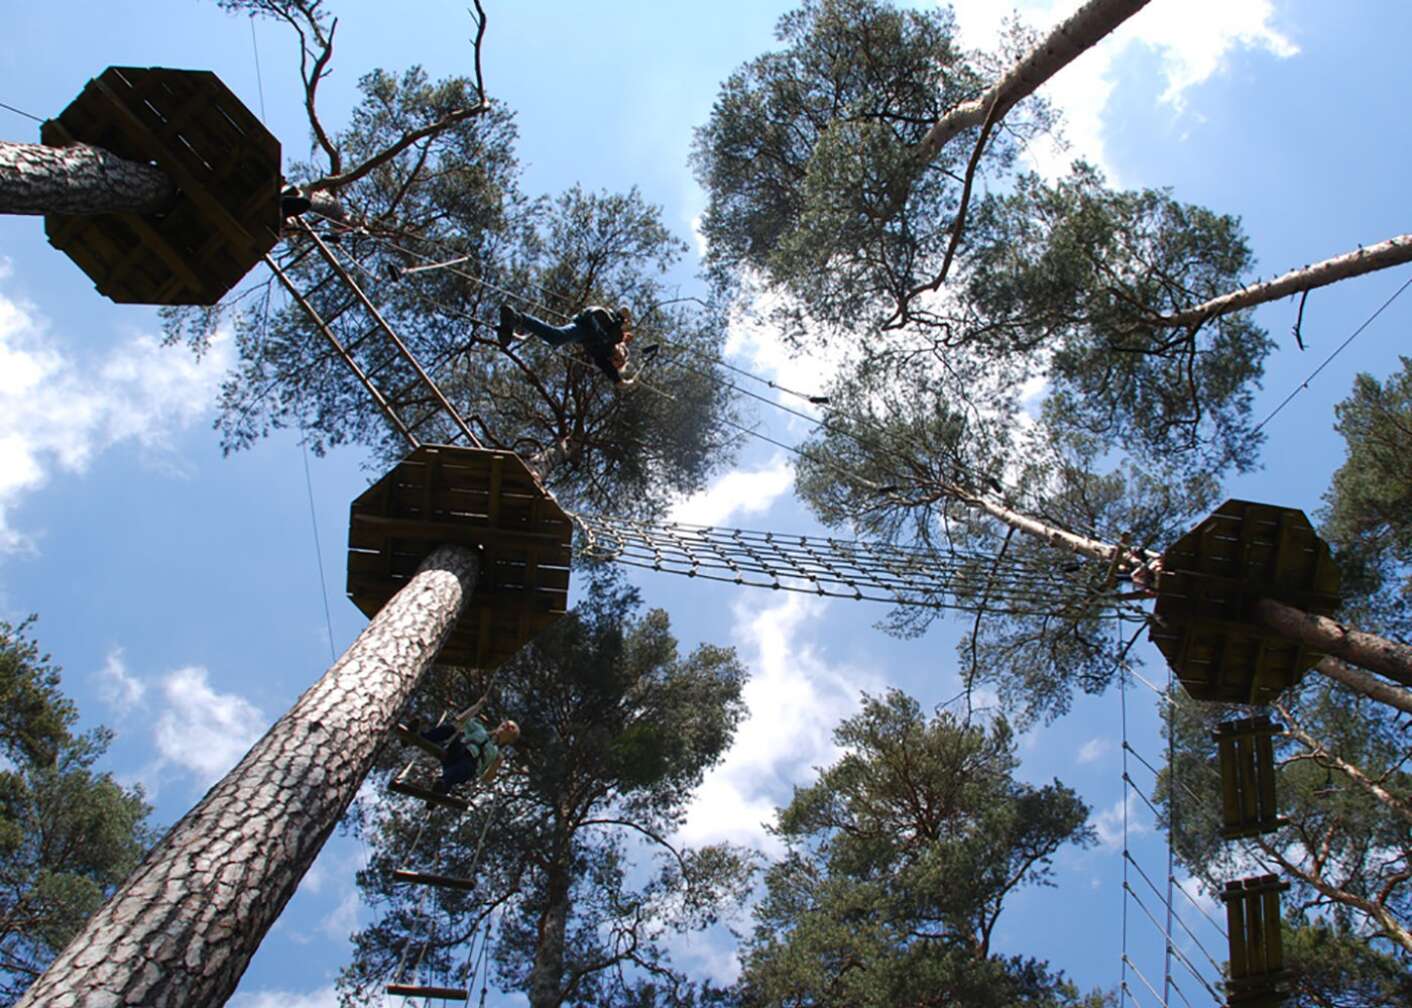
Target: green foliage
x: 898, y: 861
x: 1086, y: 274
x: 617, y: 730
x: 808, y: 158
x: 68, y: 835
x: 1367, y: 516
x: 1334, y: 967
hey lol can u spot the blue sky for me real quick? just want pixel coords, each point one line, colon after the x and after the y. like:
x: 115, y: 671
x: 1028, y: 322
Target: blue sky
x: 181, y: 590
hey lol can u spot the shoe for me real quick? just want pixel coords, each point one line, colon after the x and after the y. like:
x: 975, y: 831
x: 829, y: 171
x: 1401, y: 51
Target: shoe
x: 505, y: 331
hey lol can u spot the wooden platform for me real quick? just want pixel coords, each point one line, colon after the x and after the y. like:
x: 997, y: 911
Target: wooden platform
x: 473, y: 497
x: 225, y: 164
x: 1210, y: 580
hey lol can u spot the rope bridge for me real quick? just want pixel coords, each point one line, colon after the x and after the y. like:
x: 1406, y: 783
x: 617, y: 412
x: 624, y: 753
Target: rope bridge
x: 825, y: 566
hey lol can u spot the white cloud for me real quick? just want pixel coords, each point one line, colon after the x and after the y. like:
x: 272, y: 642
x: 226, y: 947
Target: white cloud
x: 59, y: 411
x: 1193, y: 40
x: 795, y: 698
x: 739, y: 492
x: 117, y: 688
x: 1109, y: 822
x: 1094, y: 749
x: 202, y: 730
x: 324, y: 997
x: 340, y: 922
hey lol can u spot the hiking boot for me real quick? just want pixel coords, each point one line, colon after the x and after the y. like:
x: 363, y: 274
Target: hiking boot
x: 505, y: 330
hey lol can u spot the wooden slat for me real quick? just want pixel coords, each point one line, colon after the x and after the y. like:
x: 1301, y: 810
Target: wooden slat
x: 426, y: 794
x: 418, y: 990
x: 439, y: 881
x: 415, y: 739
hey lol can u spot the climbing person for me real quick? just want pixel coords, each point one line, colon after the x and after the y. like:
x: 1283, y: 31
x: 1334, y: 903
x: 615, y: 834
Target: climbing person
x: 471, y: 749
x: 604, y: 334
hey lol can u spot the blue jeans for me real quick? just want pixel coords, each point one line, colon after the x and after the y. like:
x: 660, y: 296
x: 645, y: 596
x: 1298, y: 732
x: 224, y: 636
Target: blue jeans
x: 553, y: 335
x: 460, y: 763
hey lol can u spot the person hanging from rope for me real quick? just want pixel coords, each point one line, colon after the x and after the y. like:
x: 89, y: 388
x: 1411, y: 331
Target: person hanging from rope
x: 603, y: 333
x: 471, y: 750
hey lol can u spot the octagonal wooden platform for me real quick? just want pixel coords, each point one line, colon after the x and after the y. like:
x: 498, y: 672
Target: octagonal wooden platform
x: 224, y: 163
x: 442, y: 494
x: 1212, y: 576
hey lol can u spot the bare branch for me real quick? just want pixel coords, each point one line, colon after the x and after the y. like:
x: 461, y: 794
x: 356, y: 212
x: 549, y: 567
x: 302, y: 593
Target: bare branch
x: 335, y: 181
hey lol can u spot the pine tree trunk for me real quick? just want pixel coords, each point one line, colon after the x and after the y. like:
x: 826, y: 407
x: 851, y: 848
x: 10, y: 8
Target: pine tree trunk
x: 182, y: 929
x: 1369, y: 651
x: 1084, y: 29
x: 78, y: 179
x: 546, y: 977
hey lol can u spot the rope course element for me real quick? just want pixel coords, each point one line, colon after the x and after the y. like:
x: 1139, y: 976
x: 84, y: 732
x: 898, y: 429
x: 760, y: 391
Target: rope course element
x: 1172, y: 948
x: 819, y: 566
x: 815, y: 565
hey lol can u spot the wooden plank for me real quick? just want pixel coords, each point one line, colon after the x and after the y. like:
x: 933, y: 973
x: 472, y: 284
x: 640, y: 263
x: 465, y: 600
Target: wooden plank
x: 419, y: 990
x: 439, y: 881
x: 415, y: 739
x: 426, y: 794
x: 1239, y: 964
x: 1230, y: 799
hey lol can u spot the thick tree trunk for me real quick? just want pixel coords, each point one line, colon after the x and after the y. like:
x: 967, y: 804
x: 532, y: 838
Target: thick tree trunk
x: 546, y: 976
x: 182, y: 929
x: 1393, y: 252
x: 78, y: 179
x: 1369, y: 651
x: 1088, y: 26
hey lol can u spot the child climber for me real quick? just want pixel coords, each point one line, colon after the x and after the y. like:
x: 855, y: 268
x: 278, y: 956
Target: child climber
x: 604, y: 334
x: 472, y: 750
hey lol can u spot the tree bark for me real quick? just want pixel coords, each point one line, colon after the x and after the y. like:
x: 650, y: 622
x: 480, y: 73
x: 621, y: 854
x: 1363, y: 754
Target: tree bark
x: 1088, y: 26
x: 78, y: 179
x: 1369, y: 651
x: 182, y: 929
x: 1363, y: 682
x: 546, y: 976
x: 1393, y: 252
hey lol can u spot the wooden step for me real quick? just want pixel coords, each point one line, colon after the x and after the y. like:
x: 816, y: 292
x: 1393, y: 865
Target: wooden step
x: 416, y: 990
x: 441, y: 881
x: 415, y: 739
x: 426, y: 794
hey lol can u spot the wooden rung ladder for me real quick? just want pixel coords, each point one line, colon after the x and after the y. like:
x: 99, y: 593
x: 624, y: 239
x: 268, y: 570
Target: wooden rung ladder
x: 417, y: 990
x: 1248, y: 806
x: 427, y: 878
x: 1257, y: 951
x: 402, y: 785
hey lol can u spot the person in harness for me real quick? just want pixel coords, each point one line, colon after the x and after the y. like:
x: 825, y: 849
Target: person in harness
x: 472, y: 750
x: 604, y: 334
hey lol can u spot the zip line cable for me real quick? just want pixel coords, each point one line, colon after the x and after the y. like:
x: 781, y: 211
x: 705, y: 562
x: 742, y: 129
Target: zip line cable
x: 11, y: 108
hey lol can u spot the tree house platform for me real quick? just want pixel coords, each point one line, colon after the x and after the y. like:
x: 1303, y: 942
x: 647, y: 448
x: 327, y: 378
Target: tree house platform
x: 471, y: 497
x: 1209, y: 582
x: 224, y: 163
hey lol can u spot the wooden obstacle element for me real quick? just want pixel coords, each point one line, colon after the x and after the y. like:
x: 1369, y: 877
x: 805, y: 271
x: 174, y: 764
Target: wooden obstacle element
x: 416, y: 990
x: 1256, y: 948
x: 475, y: 497
x: 438, y: 881
x: 224, y: 163
x: 1209, y: 582
x: 412, y: 738
x: 406, y: 787
x: 1247, y: 758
